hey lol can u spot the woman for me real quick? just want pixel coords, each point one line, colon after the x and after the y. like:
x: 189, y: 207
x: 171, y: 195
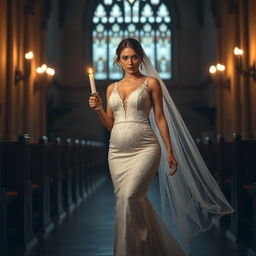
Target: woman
x: 134, y: 156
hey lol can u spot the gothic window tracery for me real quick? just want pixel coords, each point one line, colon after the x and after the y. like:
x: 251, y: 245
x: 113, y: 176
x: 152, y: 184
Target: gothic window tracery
x: 147, y: 21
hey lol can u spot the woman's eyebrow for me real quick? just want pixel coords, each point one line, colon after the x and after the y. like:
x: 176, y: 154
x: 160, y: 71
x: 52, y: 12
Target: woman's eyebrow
x: 128, y: 56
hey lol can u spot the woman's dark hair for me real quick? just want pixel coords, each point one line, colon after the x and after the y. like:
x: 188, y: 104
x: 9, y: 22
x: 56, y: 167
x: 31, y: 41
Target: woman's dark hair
x: 129, y: 43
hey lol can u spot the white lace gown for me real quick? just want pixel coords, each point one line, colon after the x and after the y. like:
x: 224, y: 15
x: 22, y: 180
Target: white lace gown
x: 134, y: 156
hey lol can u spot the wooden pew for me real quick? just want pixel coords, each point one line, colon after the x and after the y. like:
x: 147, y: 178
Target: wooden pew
x: 82, y: 164
x: 16, y: 180
x: 99, y: 164
x: 96, y: 159
x: 93, y: 159
x: 208, y: 149
x: 88, y: 163
x: 66, y: 169
x: 55, y: 175
x: 225, y: 173
x: 76, y: 171
x: 3, y: 206
x: 244, y: 174
x: 40, y: 187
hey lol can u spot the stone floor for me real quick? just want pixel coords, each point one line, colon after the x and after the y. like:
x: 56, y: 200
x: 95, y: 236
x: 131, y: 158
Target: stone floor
x: 89, y: 230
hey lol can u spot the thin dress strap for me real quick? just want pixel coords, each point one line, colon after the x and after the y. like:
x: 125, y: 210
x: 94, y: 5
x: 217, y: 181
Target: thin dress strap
x: 146, y: 81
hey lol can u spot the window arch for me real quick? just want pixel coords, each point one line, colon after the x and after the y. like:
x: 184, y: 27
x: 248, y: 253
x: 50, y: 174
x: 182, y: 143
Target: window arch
x: 147, y: 21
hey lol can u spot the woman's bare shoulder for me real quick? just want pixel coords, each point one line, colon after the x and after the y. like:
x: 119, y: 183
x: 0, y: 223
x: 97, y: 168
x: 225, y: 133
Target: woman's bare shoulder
x: 110, y: 87
x: 153, y: 83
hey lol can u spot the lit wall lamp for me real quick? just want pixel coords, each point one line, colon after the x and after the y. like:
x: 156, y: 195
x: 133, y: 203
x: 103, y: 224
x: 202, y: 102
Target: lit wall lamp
x: 251, y: 72
x: 217, y: 72
x: 44, y: 77
x: 19, y: 76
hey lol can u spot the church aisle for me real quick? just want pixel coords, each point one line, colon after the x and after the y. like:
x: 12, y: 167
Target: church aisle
x: 89, y: 230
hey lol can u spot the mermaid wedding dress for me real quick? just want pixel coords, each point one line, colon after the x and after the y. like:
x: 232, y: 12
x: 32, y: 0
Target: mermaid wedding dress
x: 134, y: 156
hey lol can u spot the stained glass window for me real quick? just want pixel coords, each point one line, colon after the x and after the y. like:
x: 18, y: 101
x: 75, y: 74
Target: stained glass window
x: 147, y: 21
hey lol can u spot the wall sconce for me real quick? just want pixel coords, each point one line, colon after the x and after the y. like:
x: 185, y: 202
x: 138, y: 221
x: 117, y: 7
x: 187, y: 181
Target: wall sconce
x: 19, y: 76
x: 44, y: 77
x: 217, y: 72
x: 251, y: 72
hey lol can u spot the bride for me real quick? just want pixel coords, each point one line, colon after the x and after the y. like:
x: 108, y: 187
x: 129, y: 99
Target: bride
x: 147, y: 134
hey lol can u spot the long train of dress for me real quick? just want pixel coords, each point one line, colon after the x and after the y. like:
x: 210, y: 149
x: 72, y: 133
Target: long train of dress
x: 134, y: 156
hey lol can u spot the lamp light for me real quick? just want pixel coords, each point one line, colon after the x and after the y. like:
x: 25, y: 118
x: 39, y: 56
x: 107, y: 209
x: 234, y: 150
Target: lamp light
x: 251, y: 71
x: 217, y: 72
x: 19, y: 75
x: 212, y: 69
x: 44, y: 77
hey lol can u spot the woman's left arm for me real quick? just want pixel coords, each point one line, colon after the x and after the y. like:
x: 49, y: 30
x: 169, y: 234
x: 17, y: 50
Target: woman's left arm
x: 157, y: 102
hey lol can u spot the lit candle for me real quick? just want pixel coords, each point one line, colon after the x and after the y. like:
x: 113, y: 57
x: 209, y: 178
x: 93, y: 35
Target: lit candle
x: 92, y: 81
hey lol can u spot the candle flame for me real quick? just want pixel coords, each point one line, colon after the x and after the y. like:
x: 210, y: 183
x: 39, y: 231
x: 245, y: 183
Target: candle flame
x: 90, y: 70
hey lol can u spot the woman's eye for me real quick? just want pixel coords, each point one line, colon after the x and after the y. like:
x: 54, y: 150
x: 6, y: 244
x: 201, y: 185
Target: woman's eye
x: 124, y: 58
x: 135, y: 57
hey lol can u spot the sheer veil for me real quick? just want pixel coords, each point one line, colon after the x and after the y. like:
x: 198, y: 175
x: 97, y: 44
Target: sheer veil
x: 191, y: 200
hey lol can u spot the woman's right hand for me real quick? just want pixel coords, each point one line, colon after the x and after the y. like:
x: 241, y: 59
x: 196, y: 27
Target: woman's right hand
x: 95, y: 102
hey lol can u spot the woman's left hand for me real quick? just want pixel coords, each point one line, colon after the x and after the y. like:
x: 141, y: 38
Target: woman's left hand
x: 172, y: 163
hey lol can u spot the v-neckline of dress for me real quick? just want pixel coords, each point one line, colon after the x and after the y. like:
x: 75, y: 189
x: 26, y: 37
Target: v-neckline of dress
x: 125, y: 106
x: 127, y: 97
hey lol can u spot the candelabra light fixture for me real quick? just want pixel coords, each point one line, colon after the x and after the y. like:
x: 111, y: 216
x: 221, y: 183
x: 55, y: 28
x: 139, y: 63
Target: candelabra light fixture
x: 217, y: 72
x: 44, y: 77
x: 22, y: 76
x: 251, y: 71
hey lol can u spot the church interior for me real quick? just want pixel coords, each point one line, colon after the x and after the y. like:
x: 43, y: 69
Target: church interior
x: 56, y: 196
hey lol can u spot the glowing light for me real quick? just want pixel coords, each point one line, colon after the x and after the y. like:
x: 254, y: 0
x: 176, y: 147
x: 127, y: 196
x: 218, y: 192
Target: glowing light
x: 44, y: 67
x: 212, y: 69
x: 29, y: 55
x: 50, y: 71
x: 90, y: 71
x: 39, y: 70
x: 220, y: 67
x: 238, y: 51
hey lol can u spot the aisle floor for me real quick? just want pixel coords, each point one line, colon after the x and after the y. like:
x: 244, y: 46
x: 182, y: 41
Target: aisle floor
x: 88, y: 231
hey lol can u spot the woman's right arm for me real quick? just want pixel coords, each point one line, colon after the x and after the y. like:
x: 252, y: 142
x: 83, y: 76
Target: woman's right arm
x: 106, y: 118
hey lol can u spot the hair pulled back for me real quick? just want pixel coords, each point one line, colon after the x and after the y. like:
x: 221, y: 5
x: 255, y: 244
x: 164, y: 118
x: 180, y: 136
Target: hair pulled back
x: 129, y: 43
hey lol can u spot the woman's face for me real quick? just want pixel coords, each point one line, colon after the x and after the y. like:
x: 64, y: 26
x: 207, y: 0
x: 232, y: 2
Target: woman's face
x: 130, y: 61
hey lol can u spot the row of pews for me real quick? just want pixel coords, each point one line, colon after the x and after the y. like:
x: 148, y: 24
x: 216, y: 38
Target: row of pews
x: 233, y: 164
x: 41, y: 183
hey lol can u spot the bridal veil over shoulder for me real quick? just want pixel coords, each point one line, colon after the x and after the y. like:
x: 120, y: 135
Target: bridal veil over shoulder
x: 191, y: 200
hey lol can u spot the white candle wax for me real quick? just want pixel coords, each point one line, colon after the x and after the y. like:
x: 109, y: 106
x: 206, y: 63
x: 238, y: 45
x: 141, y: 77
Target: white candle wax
x: 92, y: 82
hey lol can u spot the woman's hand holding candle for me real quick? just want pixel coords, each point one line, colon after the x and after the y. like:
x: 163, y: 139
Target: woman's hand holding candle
x: 95, y: 102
